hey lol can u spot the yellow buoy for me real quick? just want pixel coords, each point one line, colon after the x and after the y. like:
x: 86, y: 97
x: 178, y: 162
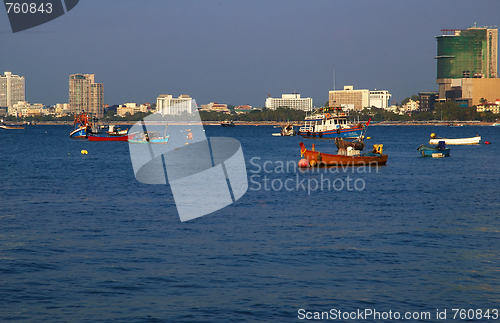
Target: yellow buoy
x: 84, y: 152
x: 368, y: 137
x: 433, y: 135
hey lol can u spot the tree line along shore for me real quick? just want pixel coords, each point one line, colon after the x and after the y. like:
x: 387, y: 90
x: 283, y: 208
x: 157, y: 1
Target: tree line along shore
x: 447, y: 112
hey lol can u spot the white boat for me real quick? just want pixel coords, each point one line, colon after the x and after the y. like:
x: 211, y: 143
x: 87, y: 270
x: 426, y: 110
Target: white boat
x: 330, y: 123
x: 286, y: 130
x: 496, y: 125
x: 456, y: 141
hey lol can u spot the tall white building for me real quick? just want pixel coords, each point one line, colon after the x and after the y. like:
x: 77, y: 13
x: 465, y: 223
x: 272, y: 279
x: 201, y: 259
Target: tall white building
x: 11, y: 89
x: 380, y: 99
x: 168, y: 105
x: 292, y: 101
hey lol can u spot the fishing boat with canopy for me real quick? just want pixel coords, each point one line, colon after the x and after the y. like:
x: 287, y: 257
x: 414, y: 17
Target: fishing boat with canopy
x: 330, y: 123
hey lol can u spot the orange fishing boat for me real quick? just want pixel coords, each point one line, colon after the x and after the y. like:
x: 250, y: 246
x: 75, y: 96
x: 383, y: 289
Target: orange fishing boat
x: 348, y: 156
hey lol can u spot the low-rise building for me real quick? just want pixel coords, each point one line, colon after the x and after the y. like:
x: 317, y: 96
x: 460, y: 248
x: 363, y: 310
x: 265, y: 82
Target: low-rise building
x: 62, y: 109
x: 131, y: 108
x: 489, y: 106
x: 25, y: 109
x: 410, y: 106
x: 243, y: 109
x: 215, y: 107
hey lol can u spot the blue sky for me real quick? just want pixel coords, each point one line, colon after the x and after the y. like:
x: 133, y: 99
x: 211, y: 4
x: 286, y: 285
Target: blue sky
x: 237, y: 52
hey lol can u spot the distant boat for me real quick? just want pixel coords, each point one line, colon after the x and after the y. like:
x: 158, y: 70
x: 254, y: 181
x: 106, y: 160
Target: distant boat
x: 286, y: 130
x: 439, y: 151
x: 330, y: 123
x: 150, y: 137
x: 457, y: 141
x: 496, y: 125
x: 11, y: 126
x: 114, y: 130
x: 227, y: 123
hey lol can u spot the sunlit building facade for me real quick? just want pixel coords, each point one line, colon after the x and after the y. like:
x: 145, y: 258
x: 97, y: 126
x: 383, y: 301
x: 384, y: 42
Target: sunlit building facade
x: 11, y: 89
x: 291, y: 101
x: 166, y: 104
x: 86, y: 95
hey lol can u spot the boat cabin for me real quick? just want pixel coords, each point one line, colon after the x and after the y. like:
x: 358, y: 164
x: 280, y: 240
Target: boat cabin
x: 326, y: 119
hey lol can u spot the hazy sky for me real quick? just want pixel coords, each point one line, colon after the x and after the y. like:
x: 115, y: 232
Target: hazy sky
x: 237, y: 51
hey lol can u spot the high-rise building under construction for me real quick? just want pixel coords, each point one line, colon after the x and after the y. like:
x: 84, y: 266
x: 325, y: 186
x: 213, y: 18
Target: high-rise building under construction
x: 467, y: 65
x: 467, y: 53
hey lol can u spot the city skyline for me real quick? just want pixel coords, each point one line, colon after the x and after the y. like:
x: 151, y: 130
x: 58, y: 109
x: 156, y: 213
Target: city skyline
x: 237, y: 53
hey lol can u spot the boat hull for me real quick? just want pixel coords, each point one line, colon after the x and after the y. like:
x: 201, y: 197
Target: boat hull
x: 11, y: 127
x: 346, y: 133
x: 80, y: 132
x: 109, y: 138
x: 458, y: 141
x: 318, y: 159
x: 426, y: 151
x: 152, y: 141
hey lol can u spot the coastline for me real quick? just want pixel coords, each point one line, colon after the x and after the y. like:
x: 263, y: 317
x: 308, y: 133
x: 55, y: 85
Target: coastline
x: 277, y: 123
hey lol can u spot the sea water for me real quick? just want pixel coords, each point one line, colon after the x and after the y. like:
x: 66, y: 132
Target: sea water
x: 82, y: 241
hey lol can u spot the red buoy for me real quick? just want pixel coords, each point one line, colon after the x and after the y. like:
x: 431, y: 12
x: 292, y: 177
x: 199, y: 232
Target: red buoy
x: 487, y: 142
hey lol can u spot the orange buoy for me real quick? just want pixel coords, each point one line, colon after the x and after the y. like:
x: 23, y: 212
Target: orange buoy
x: 303, y: 163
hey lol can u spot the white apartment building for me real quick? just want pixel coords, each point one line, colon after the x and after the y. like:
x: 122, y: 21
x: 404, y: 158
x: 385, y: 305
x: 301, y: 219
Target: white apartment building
x: 11, y: 89
x: 292, y: 101
x: 380, y: 99
x: 167, y: 105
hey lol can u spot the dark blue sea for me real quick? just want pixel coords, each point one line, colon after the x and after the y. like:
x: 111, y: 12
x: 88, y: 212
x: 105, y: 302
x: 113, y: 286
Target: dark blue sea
x: 81, y: 240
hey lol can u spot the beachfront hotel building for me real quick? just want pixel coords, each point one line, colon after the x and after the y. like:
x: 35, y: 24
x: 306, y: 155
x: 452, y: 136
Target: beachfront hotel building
x: 349, y: 99
x: 166, y: 104
x: 85, y: 95
x: 467, y: 65
x: 11, y: 89
x: 291, y: 101
x: 380, y: 99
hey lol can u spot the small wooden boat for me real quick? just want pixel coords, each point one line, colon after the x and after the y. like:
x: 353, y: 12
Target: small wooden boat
x: 439, y: 151
x: 227, y: 123
x: 456, y: 141
x: 344, y: 157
